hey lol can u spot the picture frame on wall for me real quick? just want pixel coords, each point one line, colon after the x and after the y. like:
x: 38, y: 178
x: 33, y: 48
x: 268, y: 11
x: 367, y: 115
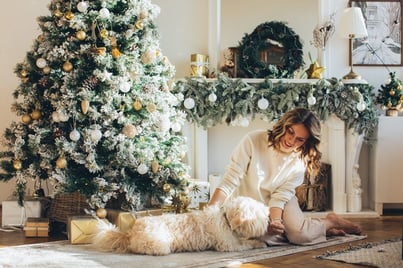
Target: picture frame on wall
x: 382, y: 47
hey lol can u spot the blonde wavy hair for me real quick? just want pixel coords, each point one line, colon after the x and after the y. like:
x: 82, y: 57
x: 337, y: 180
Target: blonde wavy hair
x: 309, y: 151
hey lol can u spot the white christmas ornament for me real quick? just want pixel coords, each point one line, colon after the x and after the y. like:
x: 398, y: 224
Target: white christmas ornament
x: 263, y: 103
x: 142, y: 169
x: 82, y: 7
x: 244, y: 122
x: 189, y: 103
x: 212, y: 97
x: 361, y: 106
x: 176, y: 127
x: 41, y: 63
x: 96, y: 135
x: 104, y: 13
x: 311, y: 100
x: 125, y: 87
x: 74, y: 135
x: 164, y: 123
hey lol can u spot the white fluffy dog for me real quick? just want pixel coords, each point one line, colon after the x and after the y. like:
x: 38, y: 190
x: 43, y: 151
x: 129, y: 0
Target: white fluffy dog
x: 234, y: 227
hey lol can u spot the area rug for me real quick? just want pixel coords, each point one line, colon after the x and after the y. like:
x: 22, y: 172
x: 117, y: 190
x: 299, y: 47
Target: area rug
x: 385, y: 254
x: 62, y: 254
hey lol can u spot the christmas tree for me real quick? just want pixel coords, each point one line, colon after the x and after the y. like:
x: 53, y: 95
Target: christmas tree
x: 96, y: 107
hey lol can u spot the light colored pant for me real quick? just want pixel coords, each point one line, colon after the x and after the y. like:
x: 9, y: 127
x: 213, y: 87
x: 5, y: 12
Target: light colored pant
x: 299, y: 229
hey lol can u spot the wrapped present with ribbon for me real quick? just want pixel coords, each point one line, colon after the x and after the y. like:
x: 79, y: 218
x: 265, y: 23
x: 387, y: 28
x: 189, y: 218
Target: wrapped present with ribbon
x: 199, y: 192
x: 199, y: 65
x: 124, y: 220
x: 82, y: 229
x: 36, y: 227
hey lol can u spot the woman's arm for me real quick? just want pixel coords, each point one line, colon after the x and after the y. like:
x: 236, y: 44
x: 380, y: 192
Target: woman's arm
x: 218, y: 197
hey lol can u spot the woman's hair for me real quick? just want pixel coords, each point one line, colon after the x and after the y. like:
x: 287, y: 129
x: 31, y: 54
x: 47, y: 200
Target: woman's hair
x: 309, y: 151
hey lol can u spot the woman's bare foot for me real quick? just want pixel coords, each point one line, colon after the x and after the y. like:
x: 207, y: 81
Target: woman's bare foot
x: 337, y: 226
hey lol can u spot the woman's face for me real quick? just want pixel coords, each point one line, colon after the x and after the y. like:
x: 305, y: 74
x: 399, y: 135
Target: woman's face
x: 294, y: 137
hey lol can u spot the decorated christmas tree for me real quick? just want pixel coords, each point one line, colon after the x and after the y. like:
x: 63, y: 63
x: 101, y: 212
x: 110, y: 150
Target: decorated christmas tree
x: 96, y: 107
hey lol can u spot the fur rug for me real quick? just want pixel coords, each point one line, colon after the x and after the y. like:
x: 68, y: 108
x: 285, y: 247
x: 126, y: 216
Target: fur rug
x: 62, y: 254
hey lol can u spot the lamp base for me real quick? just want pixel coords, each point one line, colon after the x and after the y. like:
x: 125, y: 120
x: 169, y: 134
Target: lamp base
x: 352, y: 75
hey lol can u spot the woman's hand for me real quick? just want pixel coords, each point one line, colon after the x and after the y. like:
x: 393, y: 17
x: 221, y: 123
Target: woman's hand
x: 275, y: 227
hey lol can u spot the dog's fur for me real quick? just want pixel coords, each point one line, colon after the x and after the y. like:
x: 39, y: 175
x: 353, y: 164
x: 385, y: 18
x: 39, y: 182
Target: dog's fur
x: 234, y: 227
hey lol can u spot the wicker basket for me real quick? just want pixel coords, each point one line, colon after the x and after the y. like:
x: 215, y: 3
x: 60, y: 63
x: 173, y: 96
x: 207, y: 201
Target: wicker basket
x: 65, y: 205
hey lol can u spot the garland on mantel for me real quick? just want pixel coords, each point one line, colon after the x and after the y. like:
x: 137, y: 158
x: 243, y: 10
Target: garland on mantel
x: 208, y: 102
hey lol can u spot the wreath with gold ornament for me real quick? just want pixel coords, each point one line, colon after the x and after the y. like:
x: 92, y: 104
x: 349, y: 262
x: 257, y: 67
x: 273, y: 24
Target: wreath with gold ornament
x: 252, y: 45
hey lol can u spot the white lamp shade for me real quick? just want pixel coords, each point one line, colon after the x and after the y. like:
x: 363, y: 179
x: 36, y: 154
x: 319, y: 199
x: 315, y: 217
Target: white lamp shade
x: 352, y: 24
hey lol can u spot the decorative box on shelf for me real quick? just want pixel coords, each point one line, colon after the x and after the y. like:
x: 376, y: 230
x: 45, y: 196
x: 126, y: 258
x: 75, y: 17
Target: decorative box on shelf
x: 36, y: 227
x: 15, y: 215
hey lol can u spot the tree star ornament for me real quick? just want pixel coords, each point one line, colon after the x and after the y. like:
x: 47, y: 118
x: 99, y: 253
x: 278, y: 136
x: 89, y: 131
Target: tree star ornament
x: 315, y: 71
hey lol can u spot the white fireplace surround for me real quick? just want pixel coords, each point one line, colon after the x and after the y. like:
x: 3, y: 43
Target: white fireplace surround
x: 340, y: 147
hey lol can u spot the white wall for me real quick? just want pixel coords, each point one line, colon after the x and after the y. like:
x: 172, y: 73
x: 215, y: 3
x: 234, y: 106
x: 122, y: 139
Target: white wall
x: 186, y: 28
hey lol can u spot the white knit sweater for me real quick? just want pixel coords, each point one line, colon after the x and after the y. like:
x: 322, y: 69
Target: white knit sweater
x: 260, y: 172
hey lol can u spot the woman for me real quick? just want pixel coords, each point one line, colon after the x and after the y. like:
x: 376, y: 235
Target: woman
x: 269, y: 165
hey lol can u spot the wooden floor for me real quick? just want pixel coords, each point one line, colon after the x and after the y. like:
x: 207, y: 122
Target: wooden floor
x: 376, y: 228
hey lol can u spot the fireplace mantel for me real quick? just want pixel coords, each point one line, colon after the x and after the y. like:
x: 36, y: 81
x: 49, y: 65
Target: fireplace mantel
x: 342, y: 136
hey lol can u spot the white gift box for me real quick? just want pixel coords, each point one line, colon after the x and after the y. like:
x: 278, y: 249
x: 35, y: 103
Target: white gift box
x: 14, y: 215
x: 199, y: 192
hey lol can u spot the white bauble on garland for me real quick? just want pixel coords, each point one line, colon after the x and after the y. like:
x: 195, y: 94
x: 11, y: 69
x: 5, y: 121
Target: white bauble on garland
x: 212, y: 97
x: 124, y: 87
x: 263, y: 103
x: 311, y: 100
x: 176, y: 127
x: 189, y: 103
x: 244, y: 122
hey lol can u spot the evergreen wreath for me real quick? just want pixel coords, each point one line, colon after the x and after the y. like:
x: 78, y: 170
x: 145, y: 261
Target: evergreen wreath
x: 251, y: 45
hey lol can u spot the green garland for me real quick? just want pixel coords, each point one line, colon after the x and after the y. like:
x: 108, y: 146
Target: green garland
x: 229, y: 100
x: 251, y: 45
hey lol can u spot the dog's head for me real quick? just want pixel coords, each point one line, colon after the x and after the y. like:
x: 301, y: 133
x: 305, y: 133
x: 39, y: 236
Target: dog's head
x: 247, y: 217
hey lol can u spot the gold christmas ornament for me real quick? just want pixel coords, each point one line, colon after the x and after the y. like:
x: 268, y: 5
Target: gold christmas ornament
x: 99, y: 50
x: 58, y: 13
x: 67, y: 66
x: 81, y: 35
x: 392, y: 93
x: 139, y: 25
x: 155, y: 166
x: 151, y: 107
x: 315, y: 71
x: 61, y: 162
x: 17, y: 164
x: 23, y: 73
x: 69, y: 15
x: 46, y: 70
x: 137, y: 105
x: 104, y: 33
x: 129, y: 131
x: 101, y: 213
x: 115, y: 52
x: 36, y: 114
x: 166, y: 187
x: 26, y: 119
x: 85, y: 104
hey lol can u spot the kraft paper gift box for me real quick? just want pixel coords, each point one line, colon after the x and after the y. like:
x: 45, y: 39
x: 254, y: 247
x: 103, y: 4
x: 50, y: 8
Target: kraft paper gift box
x: 81, y: 229
x: 14, y: 215
x: 124, y: 220
x: 36, y: 227
x: 199, y: 192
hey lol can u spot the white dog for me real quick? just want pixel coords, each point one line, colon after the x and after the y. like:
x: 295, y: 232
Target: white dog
x: 234, y: 227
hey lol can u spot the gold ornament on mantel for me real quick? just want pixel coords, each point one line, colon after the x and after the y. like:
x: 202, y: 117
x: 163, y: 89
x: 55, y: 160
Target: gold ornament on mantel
x: 17, y: 164
x: 67, y: 66
x: 315, y: 71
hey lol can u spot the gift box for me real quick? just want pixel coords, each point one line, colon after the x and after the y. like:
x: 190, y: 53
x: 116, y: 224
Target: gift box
x: 199, y: 193
x: 15, y: 215
x: 124, y: 220
x: 36, y: 227
x: 81, y: 229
